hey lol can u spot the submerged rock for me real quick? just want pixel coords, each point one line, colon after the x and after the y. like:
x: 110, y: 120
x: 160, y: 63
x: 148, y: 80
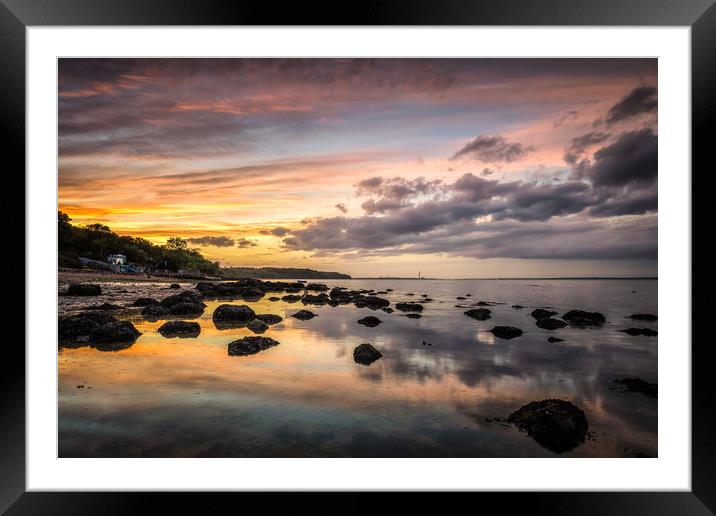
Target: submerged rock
x: 637, y: 385
x: 304, y: 315
x: 557, y: 425
x: 180, y: 329
x: 234, y: 314
x: 541, y: 313
x: 643, y: 317
x: 270, y: 319
x: 370, y: 321
x: 481, y: 314
x: 257, y: 326
x: 582, y: 318
x: 114, y: 332
x: 366, y: 354
x: 549, y: 323
x: 646, y: 332
x: 409, y: 307
x: 84, y: 289
x: 145, y: 301
x: 506, y: 332
x: 250, y: 345
x: 554, y: 339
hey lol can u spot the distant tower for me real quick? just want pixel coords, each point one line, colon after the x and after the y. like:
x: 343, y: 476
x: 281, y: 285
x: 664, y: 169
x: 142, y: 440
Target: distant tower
x: 418, y: 274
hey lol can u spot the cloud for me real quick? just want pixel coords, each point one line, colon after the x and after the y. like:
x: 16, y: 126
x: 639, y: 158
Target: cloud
x: 341, y: 207
x: 639, y: 101
x: 486, y: 172
x: 243, y: 243
x: 279, y: 231
x: 581, y: 143
x: 492, y: 149
x: 216, y: 241
x: 569, y: 115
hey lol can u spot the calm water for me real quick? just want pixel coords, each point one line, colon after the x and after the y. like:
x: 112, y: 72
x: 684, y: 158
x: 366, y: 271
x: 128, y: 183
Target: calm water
x: 307, y: 397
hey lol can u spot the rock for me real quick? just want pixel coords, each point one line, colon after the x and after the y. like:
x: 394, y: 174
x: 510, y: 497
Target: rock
x: 154, y: 312
x: 554, y: 339
x: 409, y: 307
x: 187, y: 309
x: 484, y: 303
x: 74, y: 326
x: 233, y: 315
x: 481, y: 314
x: 84, y: 289
x: 582, y: 318
x: 257, y: 326
x: 320, y: 299
x: 460, y: 298
x: 468, y: 295
x: 517, y: 307
x: 304, y: 315
x: 145, y: 301
x: 370, y: 321
x: 274, y: 298
x: 103, y: 306
x: 187, y: 296
x: 541, y: 313
x: 366, y: 354
x: 388, y: 289
x: 320, y: 287
x: 557, y: 425
x: 175, y: 285
x: 549, y: 323
x: 643, y: 317
x: 506, y: 332
x: 646, y: 332
x: 637, y: 385
x: 182, y: 329
x: 372, y: 302
x: 270, y: 319
x: 291, y: 298
x: 388, y: 310
x: 413, y: 316
x: 250, y: 345
x: 115, y: 332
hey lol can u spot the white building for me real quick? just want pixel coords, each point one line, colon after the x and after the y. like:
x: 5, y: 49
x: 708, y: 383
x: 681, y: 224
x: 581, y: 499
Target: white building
x: 117, y: 259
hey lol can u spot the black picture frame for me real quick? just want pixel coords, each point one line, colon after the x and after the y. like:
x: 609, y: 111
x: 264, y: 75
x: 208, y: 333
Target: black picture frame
x: 700, y: 15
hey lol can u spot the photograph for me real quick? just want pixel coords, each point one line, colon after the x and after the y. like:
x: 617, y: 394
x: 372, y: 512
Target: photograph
x: 394, y: 257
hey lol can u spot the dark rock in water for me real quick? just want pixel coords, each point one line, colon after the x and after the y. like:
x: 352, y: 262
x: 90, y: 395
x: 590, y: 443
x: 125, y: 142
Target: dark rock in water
x: 114, y: 332
x: 184, y: 329
x: 541, y: 313
x: 145, y: 301
x: 370, y: 321
x: 637, y: 385
x: 103, y: 306
x: 366, y: 354
x: 517, y: 307
x: 548, y: 323
x: 388, y: 289
x: 270, y: 319
x: 481, y: 314
x: 557, y: 425
x: 175, y: 285
x: 506, y: 332
x: 643, y: 317
x: 409, y: 294
x: 413, y: 316
x: 257, y: 326
x: 154, y: 312
x: 554, y: 339
x: 274, y: 298
x: 646, y: 332
x: 236, y: 315
x: 372, y: 302
x: 388, y: 310
x: 460, y: 298
x: 187, y: 296
x: 582, y: 318
x: 250, y: 345
x: 304, y: 315
x: 84, y: 289
x: 468, y: 295
x: 427, y: 300
x: 320, y: 299
x: 74, y: 326
x: 320, y: 287
x: 187, y: 309
x: 409, y: 307
x: 291, y: 298
x: 484, y: 303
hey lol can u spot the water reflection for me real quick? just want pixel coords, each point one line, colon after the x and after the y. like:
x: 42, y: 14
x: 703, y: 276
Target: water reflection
x: 307, y: 396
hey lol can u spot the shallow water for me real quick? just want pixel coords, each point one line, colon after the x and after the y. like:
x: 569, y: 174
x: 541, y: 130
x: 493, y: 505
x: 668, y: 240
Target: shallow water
x: 185, y: 397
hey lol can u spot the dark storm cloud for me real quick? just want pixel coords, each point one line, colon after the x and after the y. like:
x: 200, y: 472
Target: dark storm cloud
x: 579, y: 144
x: 639, y: 101
x: 492, y: 149
x: 216, y: 241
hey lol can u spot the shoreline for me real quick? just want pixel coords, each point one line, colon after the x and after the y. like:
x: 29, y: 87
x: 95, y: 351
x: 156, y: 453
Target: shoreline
x: 89, y: 276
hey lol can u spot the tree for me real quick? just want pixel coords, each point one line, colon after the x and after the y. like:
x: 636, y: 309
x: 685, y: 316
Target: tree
x: 98, y: 227
x: 177, y: 244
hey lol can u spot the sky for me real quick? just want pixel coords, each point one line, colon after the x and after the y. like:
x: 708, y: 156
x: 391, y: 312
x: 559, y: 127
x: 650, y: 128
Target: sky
x: 451, y: 168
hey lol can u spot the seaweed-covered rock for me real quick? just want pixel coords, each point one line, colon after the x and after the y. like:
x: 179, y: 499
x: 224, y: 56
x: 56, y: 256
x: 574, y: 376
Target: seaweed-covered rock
x: 541, y: 313
x: 369, y: 321
x: 257, y: 326
x: 506, y: 332
x: 582, y: 318
x: 233, y: 314
x: 250, y: 345
x: 84, y: 289
x: 549, y: 323
x: 646, y: 332
x: 270, y: 319
x: 409, y: 307
x: 557, y: 425
x: 637, y: 385
x: 184, y: 329
x: 366, y: 354
x: 114, y: 332
x: 304, y: 315
x: 145, y: 301
x: 481, y: 314
x: 643, y: 317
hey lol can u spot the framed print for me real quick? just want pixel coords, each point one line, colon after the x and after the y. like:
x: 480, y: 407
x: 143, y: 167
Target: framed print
x: 438, y: 249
